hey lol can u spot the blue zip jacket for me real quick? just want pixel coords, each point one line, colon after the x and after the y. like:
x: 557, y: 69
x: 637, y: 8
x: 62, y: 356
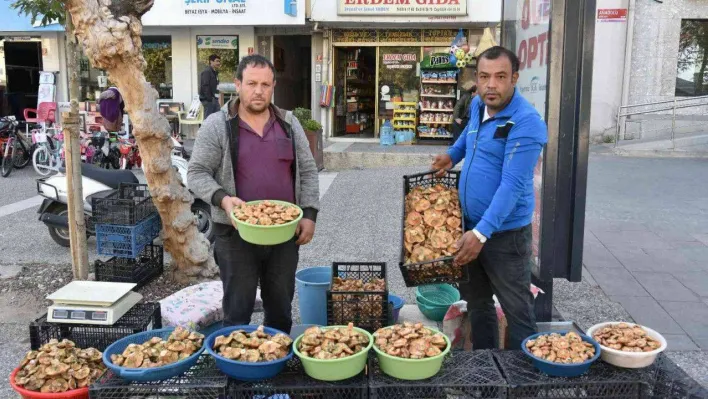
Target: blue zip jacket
x: 496, y: 185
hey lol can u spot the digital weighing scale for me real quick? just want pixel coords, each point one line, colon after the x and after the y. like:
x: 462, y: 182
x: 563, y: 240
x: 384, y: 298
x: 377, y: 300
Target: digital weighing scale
x: 92, y: 302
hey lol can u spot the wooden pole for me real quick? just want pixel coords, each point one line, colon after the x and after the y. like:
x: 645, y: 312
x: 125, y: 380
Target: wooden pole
x: 77, y: 223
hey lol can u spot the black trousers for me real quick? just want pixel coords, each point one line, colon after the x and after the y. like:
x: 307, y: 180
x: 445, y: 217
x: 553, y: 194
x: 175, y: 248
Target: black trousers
x: 210, y: 107
x: 503, y: 268
x: 242, y: 265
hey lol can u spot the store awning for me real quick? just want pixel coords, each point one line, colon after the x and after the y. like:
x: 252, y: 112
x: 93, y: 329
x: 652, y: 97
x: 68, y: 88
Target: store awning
x: 12, y: 21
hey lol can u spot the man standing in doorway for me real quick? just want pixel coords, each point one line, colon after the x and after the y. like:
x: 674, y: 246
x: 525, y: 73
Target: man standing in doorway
x: 249, y: 151
x: 501, y: 146
x: 208, y: 81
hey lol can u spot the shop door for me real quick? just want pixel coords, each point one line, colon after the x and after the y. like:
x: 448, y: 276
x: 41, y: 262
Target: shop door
x: 398, y: 79
x: 23, y: 62
x: 340, y: 98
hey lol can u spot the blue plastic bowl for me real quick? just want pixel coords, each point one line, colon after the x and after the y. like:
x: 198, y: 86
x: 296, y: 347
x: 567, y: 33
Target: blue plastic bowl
x: 397, y: 302
x: 560, y: 369
x: 246, y: 371
x: 151, y: 374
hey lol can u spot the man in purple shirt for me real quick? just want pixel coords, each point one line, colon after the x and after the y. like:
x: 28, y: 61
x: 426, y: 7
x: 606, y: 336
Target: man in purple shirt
x: 250, y: 151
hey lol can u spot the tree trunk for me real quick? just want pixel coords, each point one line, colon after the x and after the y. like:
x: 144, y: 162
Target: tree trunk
x: 110, y: 34
x: 70, y: 122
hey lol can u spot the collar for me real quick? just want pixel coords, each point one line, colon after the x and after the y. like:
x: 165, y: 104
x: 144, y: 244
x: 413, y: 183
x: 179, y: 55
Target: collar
x: 507, y: 111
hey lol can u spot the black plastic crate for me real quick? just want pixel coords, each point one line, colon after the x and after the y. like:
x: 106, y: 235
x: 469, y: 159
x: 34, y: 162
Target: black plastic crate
x: 602, y: 380
x: 142, y: 317
x: 129, y: 205
x: 202, y: 381
x: 366, y: 309
x: 437, y: 271
x: 668, y: 380
x: 142, y: 270
x: 463, y: 375
x: 293, y: 383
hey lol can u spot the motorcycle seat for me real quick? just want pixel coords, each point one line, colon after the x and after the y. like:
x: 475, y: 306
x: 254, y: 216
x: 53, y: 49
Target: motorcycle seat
x: 111, y: 178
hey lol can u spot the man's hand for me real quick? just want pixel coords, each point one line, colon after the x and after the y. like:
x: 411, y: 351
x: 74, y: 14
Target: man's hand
x: 228, y: 204
x: 305, y: 231
x: 441, y: 163
x: 469, y: 248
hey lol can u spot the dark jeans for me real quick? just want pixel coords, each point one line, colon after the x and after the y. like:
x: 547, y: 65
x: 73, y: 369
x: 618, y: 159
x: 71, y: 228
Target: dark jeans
x: 503, y: 268
x: 210, y: 107
x: 242, y: 265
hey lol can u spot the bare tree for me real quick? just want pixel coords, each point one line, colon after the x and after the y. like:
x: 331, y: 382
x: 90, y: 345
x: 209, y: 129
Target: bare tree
x: 110, y: 34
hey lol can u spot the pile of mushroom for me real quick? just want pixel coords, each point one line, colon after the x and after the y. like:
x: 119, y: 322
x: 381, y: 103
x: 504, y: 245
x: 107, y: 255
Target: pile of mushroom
x: 410, y: 341
x: 157, y: 352
x: 626, y: 338
x: 257, y: 346
x: 557, y: 348
x: 59, y: 367
x: 332, y: 343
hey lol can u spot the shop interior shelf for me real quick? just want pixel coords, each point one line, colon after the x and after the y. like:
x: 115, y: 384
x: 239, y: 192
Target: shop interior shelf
x: 463, y: 375
x: 437, y: 110
x: 435, y: 123
x: 439, y: 82
x: 294, y: 383
x: 439, y: 95
x: 434, y: 136
x: 142, y: 317
x: 203, y: 381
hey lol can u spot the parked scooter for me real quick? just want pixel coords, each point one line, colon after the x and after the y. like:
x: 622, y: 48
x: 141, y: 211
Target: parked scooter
x: 99, y: 183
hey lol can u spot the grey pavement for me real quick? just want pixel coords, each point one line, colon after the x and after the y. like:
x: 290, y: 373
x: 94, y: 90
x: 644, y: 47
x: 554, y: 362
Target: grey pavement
x: 646, y: 242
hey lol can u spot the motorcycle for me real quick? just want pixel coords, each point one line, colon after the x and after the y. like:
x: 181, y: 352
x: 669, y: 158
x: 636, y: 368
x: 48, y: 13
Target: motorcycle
x: 100, y: 183
x: 16, y: 152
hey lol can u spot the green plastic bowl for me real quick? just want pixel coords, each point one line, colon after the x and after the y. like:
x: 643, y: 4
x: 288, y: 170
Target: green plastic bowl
x: 267, y: 235
x: 437, y: 294
x: 335, y: 369
x: 412, y: 369
x: 434, y: 313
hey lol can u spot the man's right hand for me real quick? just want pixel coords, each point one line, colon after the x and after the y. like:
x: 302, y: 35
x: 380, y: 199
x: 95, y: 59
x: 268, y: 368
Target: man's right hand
x: 228, y: 204
x: 441, y: 163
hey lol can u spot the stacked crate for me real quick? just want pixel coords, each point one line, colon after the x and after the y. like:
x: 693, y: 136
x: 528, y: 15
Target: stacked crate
x: 126, y: 225
x: 369, y: 310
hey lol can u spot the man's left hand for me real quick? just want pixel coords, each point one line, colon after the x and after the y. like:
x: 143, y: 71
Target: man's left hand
x: 469, y: 248
x: 305, y: 231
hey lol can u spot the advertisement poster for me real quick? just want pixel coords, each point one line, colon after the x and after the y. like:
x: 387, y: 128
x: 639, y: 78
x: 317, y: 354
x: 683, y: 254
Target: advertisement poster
x: 402, y: 7
x: 226, y: 47
x: 526, y: 31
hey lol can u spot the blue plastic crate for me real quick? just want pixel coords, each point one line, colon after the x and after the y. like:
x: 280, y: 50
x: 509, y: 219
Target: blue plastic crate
x: 127, y: 241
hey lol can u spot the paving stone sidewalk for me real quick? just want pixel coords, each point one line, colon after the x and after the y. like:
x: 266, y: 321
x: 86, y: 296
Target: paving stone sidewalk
x: 646, y: 242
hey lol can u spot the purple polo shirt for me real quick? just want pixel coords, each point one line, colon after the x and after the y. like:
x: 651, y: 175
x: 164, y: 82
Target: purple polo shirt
x: 264, y: 163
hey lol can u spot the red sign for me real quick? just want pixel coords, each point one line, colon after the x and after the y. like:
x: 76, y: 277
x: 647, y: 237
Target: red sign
x: 612, y: 15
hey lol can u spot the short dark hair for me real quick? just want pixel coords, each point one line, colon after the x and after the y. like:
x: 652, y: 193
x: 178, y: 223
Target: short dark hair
x: 473, y: 89
x: 495, y: 52
x: 255, y: 60
x: 214, y: 57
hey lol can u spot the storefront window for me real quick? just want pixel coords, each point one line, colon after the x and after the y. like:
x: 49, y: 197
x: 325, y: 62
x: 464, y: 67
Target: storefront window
x: 157, y: 51
x: 226, y: 47
x: 692, y: 71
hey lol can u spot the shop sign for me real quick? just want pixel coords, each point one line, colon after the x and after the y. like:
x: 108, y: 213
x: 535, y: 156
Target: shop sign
x: 222, y: 42
x: 399, y: 36
x: 402, y: 7
x: 440, y: 35
x: 612, y: 15
x: 399, y: 61
x: 436, y: 60
x: 354, y: 36
x: 206, y: 8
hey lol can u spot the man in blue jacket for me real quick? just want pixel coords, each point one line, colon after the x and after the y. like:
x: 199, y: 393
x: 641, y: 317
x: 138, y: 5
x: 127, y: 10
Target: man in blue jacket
x: 501, y: 146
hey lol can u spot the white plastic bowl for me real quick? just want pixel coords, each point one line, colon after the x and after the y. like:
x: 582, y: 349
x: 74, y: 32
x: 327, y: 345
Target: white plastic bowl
x: 631, y: 360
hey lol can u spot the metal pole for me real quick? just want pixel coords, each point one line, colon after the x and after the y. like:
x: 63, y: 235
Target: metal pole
x: 617, y: 128
x: 673, y: 126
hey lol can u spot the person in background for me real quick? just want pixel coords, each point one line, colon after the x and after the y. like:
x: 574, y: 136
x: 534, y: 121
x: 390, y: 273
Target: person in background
x: 253, y: 150
x: 208, y: 81
x: 112, y: 108
x: 461, y: 113
x: 501, y: 146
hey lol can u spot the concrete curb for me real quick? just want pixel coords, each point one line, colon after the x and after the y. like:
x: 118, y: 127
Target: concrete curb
x: 659, y: 153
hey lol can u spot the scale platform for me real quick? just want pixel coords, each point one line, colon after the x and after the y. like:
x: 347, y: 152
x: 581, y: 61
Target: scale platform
x: 92, y: 302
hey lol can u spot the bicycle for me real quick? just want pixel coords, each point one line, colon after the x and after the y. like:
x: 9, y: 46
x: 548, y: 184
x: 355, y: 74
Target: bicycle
x: 48, y: 157
x: 16, y: 153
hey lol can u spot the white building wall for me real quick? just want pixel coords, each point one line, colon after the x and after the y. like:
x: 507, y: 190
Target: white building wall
x: 608, y: 71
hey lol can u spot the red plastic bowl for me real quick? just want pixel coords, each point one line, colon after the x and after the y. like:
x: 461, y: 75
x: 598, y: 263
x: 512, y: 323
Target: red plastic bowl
x: 81, y: 393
